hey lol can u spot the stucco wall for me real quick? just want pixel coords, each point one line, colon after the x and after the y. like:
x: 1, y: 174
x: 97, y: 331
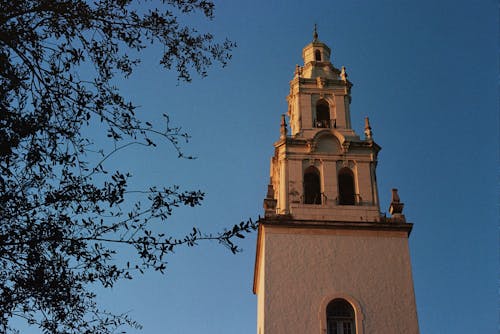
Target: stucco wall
x: 306, y: 267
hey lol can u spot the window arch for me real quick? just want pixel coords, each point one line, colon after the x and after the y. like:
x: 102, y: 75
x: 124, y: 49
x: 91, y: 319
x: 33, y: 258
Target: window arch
x: 317, y: 55
x: 340, y: 317
x: 347, y: 195
x: 322, y: 114
x: 312, y: 186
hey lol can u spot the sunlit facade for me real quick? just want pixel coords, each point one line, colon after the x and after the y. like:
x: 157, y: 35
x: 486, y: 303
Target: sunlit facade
x: 327, y: 260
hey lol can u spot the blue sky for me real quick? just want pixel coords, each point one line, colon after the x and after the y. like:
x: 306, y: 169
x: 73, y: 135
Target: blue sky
x: 425, y: 72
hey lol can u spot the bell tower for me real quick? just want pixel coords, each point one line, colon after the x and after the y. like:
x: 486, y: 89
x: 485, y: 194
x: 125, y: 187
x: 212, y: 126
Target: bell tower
x: 328, y: 261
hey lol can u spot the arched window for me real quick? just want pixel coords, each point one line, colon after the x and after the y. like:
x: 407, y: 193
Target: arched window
x: 340, y: 317
x: 347, y: 196
x: 322, y: 114
x: 317, y: 55
x: 312, y: 186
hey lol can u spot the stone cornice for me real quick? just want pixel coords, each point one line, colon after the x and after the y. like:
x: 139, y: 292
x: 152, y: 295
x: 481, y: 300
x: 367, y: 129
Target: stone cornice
x: 288, y: 222
x: 353, y: 145
x: 331, y: 83
x: 365, y: 144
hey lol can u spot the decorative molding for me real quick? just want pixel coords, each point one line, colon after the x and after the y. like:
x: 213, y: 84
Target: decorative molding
x: 289, y: 222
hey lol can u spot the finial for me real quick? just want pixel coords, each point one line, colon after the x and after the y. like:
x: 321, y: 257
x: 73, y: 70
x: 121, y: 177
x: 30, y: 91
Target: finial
x: 395, y: 196
x: 315, y: 35
x: 396, y: 208
x: 343, y: 74
x: 368, y: 129
x: 269, y: 201
x: 298, y: 71
x: 283, y: 129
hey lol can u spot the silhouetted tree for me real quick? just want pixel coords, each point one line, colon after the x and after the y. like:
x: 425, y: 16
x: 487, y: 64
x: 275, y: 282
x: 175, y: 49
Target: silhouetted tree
x: 61, y: 219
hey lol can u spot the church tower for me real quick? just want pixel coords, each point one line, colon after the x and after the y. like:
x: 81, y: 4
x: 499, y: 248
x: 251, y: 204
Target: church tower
x: 328, y: 261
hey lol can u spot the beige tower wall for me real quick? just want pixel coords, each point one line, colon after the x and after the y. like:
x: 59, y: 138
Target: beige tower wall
x: 305, y: 111
x: 309, y: 254
x: 331, y: 186
x: 342, y: 119
x: 364, y: 178
x: 259, y: 286
x: 302, y: 269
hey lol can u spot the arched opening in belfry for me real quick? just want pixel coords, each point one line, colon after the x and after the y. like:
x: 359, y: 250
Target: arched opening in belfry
x: 347, y: 195
x: 312, y: 186
x: 340, y: 317
x: 317, y: 55
x: 322, y: 114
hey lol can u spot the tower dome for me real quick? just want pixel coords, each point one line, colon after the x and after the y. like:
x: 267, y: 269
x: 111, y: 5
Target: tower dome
x: 316, y: 56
